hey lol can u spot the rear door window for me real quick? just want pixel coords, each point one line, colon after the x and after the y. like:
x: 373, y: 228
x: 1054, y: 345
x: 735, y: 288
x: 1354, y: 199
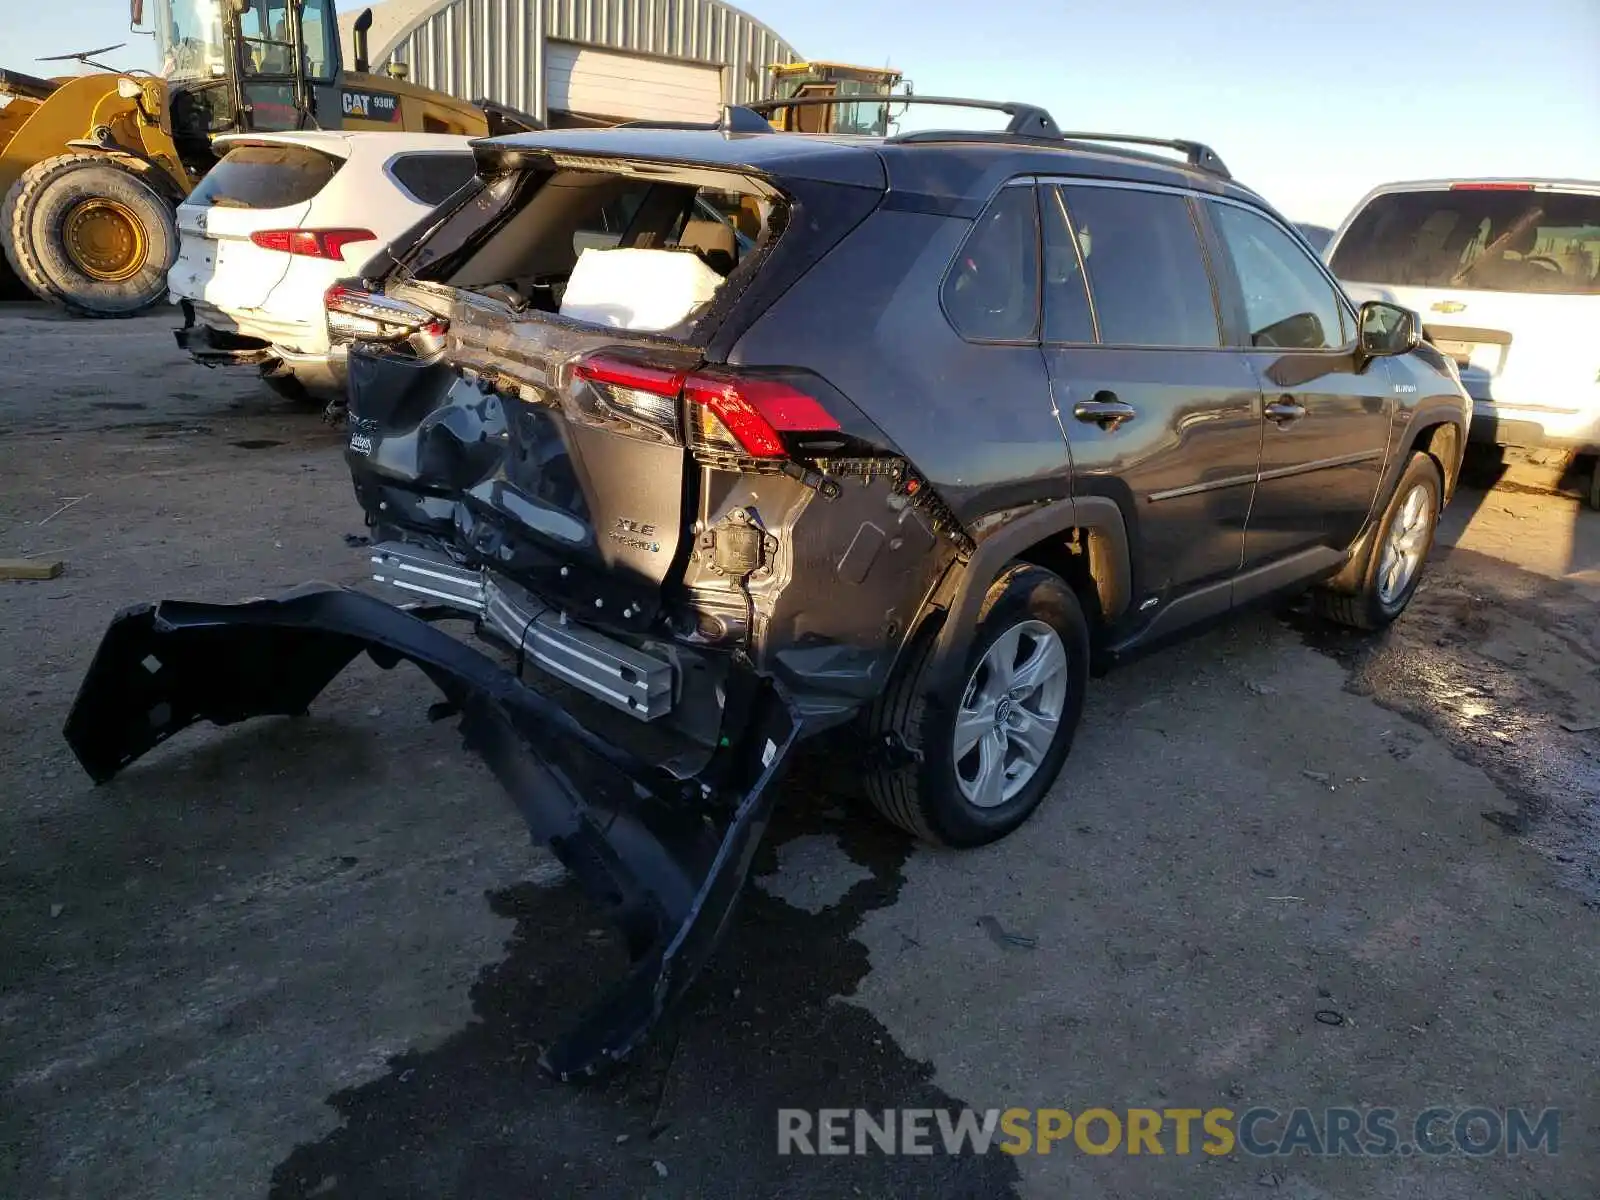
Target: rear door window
x: 1288, y: 301
x: 433, y: 177
x: 992, y: 291
x: 1498, y: 238
x: 1067, y: 316
x: 1146, y: 270
x: 265, y: 176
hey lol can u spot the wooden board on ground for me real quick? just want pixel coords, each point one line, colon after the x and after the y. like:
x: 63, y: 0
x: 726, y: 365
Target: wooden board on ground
x: 31, y: 568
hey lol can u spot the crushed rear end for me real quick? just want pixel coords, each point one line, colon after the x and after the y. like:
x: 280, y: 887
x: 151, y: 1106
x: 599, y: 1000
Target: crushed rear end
x: 648, y: 541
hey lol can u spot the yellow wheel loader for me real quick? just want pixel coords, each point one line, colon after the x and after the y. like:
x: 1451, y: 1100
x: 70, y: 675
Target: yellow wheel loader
x: 93, y: 166
x: 863, y: 93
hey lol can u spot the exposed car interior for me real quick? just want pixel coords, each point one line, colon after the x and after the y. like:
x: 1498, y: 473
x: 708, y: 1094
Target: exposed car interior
x: 530, y: 255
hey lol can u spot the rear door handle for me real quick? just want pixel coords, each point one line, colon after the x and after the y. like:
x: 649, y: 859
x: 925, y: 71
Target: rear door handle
x: 1284, y: 410
x: 1105, y: 410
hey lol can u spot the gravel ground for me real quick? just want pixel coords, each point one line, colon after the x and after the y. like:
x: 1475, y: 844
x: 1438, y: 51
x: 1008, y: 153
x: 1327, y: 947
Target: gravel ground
x: 1285, y: 867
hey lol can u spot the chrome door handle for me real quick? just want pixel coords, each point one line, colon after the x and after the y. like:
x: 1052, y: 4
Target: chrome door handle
x: 1284, y: 410
x: 1105, y: 410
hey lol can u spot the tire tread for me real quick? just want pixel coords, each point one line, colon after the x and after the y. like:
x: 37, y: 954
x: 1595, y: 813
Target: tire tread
x: 14, y: 239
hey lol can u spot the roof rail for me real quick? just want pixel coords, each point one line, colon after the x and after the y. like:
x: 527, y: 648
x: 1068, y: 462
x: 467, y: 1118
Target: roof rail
x: 1197, y: 154
x: 1027, y: 120
x: 736, y: 118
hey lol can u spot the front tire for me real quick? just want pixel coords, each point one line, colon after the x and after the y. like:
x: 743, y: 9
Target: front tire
x: 990, y: 744
x: 1399, y: 550
x: 87, y: 233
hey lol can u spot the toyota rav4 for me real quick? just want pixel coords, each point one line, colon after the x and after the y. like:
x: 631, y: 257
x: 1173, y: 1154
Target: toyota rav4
x: 722, y: 438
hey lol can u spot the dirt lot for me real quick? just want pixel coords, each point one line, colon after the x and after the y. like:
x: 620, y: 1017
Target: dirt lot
x: 318, y: 958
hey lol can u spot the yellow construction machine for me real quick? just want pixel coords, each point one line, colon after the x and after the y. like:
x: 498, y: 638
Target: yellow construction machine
x: 93, y: 166
x: 815, y: 81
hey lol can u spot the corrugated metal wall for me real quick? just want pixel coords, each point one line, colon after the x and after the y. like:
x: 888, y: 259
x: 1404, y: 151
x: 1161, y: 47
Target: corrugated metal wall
x: 495, y: 48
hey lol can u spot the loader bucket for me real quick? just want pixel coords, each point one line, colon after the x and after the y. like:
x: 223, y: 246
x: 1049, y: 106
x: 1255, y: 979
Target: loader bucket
x: 664, y: 857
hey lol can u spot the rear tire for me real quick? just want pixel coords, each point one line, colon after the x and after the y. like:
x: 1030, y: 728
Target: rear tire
x: 934, y: 797
x: 1383, y: 593
x: 87, y: 233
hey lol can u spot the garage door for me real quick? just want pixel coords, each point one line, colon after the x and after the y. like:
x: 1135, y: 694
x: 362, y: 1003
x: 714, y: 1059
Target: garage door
x: 602, y: 83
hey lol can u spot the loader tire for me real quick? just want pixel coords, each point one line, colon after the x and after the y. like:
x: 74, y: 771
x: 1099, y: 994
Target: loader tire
x: 87, y: 233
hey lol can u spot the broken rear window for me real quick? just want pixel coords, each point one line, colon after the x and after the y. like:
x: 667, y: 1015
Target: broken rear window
x: 521, y: 239
x: 1492, y: 238
x: 265, y: 176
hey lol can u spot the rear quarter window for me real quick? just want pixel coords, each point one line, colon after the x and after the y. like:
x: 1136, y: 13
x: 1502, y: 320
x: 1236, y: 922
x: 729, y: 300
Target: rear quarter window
x: 992, y: 291
x: 1496, y: 239
x: 265, y: 176
x: 434, y: 177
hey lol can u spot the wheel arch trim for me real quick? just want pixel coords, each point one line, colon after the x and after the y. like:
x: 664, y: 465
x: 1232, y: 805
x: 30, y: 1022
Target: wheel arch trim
x: 1099, y: 515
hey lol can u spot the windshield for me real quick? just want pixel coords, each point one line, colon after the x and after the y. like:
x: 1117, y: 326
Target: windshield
x: 1489, y: 238
x: 189, y: 42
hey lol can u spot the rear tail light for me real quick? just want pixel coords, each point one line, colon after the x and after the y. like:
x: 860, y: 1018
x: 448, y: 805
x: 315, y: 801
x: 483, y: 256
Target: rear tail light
x: 355, y: 314
x: 733, y: 413
x: 722, y: 413
x: 311, y: 243
x: 1491, y: 187
x: 632, y: 397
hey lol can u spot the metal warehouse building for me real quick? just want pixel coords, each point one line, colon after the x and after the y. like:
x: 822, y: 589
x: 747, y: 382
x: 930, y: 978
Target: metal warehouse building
x: 578, y: 62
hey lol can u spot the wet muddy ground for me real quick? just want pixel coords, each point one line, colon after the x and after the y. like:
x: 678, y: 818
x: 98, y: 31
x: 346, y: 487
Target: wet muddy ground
x: 318, y: 958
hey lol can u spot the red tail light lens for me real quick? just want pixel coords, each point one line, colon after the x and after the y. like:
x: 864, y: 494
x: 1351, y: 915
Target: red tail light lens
x: 749, y: 415
x: 638, y: 377
x: 311, y: 243
x: 724, y: 413
x: 1491, y: 187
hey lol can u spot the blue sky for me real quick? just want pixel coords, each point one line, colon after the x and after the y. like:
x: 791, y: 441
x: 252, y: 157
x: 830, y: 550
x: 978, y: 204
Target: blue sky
x: 1310, y: 103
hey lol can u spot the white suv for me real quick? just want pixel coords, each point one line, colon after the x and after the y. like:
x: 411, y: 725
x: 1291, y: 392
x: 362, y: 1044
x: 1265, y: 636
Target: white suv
x: 1506, y: 275
x: 280, y: 218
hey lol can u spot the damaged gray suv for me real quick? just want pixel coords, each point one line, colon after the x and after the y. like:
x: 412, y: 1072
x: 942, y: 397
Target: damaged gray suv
x: 722, y: 438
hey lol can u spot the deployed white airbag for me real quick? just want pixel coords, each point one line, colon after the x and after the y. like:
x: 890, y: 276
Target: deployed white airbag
x: 637, y: 289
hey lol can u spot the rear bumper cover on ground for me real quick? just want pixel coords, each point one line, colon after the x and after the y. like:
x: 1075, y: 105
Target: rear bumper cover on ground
x: 665, y: 858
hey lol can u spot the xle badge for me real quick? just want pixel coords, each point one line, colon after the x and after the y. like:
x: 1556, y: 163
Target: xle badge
x: 636, y: 534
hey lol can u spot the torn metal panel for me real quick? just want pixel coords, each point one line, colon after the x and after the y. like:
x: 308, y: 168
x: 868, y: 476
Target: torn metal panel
x: 664, y: 857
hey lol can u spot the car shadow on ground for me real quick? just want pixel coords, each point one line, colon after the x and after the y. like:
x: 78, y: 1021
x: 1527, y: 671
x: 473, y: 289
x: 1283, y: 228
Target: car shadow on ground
x: 696, y: 1113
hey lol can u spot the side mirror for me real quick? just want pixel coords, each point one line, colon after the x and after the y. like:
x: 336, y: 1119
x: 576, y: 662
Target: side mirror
x: 1387, y: 329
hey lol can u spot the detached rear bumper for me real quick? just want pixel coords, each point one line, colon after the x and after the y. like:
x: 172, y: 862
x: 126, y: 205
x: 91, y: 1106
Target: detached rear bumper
x: 323, y: 372
x: 221, y: 348
x: 665, y: 858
